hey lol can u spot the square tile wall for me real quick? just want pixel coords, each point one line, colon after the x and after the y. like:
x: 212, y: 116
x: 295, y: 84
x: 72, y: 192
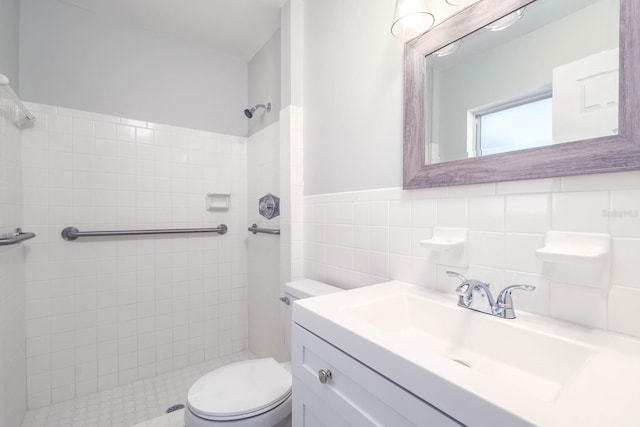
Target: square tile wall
x: 360, y: 238
x: 13, y: 390
x: 107, y: 311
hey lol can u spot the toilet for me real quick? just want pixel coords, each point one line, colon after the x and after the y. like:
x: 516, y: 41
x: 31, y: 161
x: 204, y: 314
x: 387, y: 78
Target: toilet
x: 251, y: 393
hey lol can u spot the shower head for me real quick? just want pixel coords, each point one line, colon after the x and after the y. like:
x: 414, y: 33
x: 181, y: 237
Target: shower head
x: 249, y: 111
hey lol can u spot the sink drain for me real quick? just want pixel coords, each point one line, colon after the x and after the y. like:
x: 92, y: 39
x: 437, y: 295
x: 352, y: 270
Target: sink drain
x: 174, y: 408
x: 462, y: 362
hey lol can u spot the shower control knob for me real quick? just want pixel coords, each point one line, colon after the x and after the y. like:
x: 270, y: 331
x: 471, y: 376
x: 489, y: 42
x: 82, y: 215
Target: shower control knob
x: 324, y: 375
x: 269, y: 206
x: 285, y: 300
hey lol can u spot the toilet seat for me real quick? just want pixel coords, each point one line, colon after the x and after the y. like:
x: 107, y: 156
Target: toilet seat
x: 240, y: 390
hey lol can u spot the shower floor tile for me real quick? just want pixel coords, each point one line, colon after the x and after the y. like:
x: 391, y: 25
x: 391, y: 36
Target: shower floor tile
x: 144, y: 401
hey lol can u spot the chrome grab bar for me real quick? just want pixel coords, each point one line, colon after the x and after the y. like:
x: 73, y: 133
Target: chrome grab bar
x: 255, y: 230
x: 15, y: 238
x: 72, y: 233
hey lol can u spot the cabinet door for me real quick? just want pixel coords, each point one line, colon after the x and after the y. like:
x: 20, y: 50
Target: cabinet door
x: 355, y: 395
x: 309, y: 410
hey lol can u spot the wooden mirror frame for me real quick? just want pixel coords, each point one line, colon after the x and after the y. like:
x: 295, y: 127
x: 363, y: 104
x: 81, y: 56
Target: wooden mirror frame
x: 605, y: 154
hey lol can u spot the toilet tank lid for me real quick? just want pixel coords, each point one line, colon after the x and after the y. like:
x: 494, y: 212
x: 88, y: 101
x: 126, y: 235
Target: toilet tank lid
x: 305, y: 288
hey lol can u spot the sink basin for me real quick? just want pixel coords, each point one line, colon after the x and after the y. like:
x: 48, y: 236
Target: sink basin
x: 528, y: 371
x: 538, y: 364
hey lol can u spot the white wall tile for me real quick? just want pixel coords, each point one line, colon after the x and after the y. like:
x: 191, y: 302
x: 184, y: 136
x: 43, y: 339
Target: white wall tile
x: 520, y: 252
x: 602, y: 181
x: 400, y: 213
x: 400, y: 267
x: 91, y: 324
x: 623, y: 311
x: 487, y: 249
x: 531, y: 186
x: 452, y: 212
x: 626, y: 266
x: 379, y: 264
x: 580, y: 212
x: 528, y: 213
x: 424, y: 213
x: 624, y: 213
x: 527, y: 210
x: 379, y: 239
x: 487, y: 213
x: 379, y: 213
x: 400, y: 241
x: 578, y: 304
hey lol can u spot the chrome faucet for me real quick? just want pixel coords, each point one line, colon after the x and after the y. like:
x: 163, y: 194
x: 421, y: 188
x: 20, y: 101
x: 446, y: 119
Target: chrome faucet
x: 476, y: 295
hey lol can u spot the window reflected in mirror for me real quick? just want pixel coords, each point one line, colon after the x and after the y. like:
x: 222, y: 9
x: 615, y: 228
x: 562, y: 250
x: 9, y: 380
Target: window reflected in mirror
x: 543, y: 75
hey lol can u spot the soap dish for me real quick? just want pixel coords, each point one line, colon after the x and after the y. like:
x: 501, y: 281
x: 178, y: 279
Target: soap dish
x: 578, y: 258
x: 446, y: 239
x: 217, y: 201
x: 448, y: 246
x: 575, y: 248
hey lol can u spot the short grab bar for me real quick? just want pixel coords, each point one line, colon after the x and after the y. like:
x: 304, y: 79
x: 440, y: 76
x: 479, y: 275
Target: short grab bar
x: 72, y: 233
x: 255, y: 230
x: 15, y: 238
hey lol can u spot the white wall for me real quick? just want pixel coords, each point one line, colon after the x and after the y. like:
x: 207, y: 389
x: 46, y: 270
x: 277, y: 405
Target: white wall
x: 108, y: 311
x: 78, y: 59
x: 355, y: 238
x: 352, y: 96
x: 263, y: 254
x: 291, y: 52
x: 9, y: 34
x: 264, y: 84
x: 13, y: 390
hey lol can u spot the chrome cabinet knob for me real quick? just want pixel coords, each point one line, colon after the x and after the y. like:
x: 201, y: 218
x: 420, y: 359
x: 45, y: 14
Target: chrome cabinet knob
x: 285, y: 300
x: 324, y: 375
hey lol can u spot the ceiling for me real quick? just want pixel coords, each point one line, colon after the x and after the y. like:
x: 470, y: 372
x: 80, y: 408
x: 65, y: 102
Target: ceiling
x: 237, y: 27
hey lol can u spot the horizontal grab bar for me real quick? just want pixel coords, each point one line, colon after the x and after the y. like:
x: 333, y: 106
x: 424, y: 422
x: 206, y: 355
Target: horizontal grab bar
x: 255, y: 230
x: 15, y: 238
x: 72, y: 233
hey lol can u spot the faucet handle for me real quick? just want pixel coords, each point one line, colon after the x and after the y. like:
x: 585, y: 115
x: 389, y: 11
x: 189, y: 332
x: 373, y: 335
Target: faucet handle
x: 464, y: 289
x: 504, y: 297
x: 456, y: 275
x: 505, y: 303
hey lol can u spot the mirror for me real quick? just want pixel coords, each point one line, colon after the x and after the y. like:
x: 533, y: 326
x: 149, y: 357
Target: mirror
x: 542, y: 75
x: 526, y: 90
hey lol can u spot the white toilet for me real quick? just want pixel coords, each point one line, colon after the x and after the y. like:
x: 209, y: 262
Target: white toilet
x: 252, y: 393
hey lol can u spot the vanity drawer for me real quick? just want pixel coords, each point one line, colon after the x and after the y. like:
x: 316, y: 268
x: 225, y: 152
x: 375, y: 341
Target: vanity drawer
x: 355, y: 395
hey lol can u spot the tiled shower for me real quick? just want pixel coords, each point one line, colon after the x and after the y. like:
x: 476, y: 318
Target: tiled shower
x: 112, y: 331
x: 12, y: 304
x: 106, y: 312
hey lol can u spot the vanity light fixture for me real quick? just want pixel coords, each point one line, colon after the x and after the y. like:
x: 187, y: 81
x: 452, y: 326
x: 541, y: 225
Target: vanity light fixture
x: 411, y: 18
x: 507, y: 21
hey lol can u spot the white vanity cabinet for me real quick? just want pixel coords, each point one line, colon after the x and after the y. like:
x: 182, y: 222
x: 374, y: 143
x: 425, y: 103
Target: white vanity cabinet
x: 354, y: 395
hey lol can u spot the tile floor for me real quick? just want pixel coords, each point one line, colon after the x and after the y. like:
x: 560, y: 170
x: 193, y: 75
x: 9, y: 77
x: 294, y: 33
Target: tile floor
x: 143, y: 401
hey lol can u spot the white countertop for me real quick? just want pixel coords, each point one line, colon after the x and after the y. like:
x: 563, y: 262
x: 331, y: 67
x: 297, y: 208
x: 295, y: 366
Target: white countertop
x: 527, y: 371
